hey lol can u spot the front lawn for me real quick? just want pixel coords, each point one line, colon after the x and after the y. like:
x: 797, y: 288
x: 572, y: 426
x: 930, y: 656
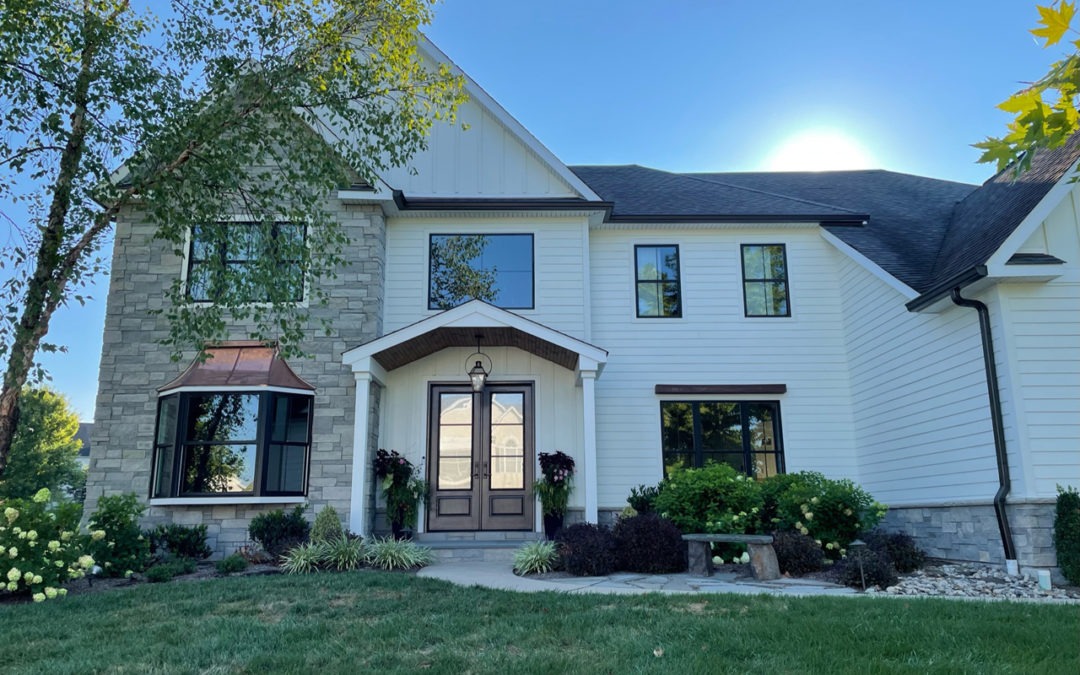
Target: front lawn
x: 353, y: 622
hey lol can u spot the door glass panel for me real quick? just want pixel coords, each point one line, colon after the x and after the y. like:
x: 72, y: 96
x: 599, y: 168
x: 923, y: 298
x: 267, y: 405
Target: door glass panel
x: 455, y: 442
x: 508, y: 441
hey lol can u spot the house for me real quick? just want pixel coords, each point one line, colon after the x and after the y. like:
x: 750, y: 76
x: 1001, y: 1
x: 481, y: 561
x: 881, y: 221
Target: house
x: 919, y: 336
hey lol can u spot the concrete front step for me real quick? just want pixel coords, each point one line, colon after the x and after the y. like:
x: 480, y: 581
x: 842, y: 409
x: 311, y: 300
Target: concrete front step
x: 514, y: 537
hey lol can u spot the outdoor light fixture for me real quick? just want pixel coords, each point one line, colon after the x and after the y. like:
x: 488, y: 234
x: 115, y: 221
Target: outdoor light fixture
x: 477, y: 374
x: 858, y: 548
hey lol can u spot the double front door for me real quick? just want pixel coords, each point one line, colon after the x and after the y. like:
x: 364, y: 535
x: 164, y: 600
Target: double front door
x: 480, y: 458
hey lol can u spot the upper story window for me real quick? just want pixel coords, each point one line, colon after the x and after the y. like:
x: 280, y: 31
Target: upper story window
x: 223, y: 259
x: 656, y: 279
x: 765, y: 281
x: 497, y: 268
x: 232, y: 443
x: 744, y: 434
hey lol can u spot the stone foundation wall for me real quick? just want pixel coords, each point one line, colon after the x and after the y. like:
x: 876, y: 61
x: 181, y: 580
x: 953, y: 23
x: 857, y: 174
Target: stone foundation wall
x: 134, y: 365
x: 970, y: 532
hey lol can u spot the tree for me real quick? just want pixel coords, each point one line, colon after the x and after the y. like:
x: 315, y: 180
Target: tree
x: 1045, y: 113
x: 216, y: 108
x: 454, y: 276
x: 44, y: 447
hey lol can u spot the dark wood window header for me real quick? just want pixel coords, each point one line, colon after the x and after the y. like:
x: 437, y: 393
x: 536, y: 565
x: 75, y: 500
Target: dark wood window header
x: 736, y: 389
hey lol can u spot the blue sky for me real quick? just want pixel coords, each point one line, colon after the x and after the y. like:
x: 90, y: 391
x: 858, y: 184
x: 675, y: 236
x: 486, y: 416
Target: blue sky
x: 695, y: 85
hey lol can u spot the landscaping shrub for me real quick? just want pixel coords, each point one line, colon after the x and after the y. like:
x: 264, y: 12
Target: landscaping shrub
x: 391, y: 554
x: 877, y: 570
x: 643, y: 499
x: 278, y: 531
x: 302, y: 559
x: 898, y: 548
x: 40, y: 549
x: 714, y: 498
x: 1067, y: 533
x: 649, y: 543
x: 122, y: 548
x: 586, y: 550
x: 536, y: 557
x: 797, y: 554
x: 327, y: 526
x: 343, y: 553
x: 232, y: 564
x: 166, y: 571
x: 178, y: 541
x: 833, y: 512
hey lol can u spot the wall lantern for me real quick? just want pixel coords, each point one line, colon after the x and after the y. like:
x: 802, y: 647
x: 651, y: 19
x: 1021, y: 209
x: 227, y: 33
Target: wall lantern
x: 477, y: 374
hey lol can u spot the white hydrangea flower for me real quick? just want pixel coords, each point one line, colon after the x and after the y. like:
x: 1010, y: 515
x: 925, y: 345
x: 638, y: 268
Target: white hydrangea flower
x: 39, y: 597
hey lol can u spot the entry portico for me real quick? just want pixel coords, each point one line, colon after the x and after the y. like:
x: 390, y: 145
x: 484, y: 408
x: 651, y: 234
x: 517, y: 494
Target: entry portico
x: 542, y: 389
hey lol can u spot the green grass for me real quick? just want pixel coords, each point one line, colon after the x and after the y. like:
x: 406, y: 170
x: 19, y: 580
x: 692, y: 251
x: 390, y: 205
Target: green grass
x: 358, y: 621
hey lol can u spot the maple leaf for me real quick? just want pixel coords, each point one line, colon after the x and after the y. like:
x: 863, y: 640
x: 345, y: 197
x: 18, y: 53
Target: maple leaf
x: 1054, y: 22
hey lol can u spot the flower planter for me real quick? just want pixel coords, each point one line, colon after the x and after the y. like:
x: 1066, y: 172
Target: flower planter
x: 552, y: 524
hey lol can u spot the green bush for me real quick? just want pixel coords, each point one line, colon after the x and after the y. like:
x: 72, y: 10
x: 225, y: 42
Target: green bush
x: 41, y: 549
x: 797, y: 554
x: 715, y: 498
x: 232, y: 564
x: 122, y: 548
x: 833, y: 512
x: 178, y: 541
x: 278, y: 531
x: 327, y: 526
x: 650, y: 544
x: 302, y: 559
x: 1067, y: 533
x: 392, y: 554
x: 166, y: 571
x: 343, y: 553
x: 643, y: 499
x: 536, y: 557
x: 586, y: 550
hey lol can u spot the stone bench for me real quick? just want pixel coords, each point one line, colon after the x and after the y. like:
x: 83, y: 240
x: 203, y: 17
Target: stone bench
x: 759, y: 546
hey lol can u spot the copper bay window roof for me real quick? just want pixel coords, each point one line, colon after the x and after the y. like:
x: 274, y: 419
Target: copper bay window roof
x: 240, y: 363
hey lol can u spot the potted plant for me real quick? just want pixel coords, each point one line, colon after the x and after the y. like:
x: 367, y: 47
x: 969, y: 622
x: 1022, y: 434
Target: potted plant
x: 553, y: 488
x: 401, y: 489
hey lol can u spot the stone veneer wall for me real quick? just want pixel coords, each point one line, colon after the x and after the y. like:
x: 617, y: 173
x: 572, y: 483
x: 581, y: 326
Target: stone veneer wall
x: 133, y: 365
x: 970, y: 532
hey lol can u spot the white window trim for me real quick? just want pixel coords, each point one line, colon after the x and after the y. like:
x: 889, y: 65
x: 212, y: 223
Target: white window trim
x: 206, y: 501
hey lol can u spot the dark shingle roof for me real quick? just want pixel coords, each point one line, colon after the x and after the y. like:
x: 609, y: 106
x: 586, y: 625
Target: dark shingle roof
x: 907, y: 214
x: 984, y: 220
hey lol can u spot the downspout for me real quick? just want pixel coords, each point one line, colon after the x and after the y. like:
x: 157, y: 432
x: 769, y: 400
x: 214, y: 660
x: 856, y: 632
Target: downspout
x: 1004, y: 482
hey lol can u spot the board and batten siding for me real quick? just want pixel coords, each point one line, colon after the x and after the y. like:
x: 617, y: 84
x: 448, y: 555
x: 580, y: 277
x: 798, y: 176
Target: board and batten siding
x: 486, y: 159
x: 919, y: 392
x: 559, y: 263
x: 714, y: 343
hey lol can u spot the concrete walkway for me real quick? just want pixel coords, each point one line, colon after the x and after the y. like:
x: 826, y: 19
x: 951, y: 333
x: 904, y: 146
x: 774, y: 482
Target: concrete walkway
x: 501, y: 576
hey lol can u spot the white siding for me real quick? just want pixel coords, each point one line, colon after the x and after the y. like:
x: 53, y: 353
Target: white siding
x: 1041, y: 325
x: 559, y: 261
x: 920, y: 405
x: 557, y: 401
x: 484, y: 160
x: 713, y: 343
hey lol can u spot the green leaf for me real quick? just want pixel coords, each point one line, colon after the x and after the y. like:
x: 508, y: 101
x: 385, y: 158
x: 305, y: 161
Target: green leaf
x: 1054, y: 22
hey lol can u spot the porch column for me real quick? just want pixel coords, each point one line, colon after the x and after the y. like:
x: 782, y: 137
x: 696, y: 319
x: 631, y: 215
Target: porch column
x: 588, y: 398
x: 361, y: 419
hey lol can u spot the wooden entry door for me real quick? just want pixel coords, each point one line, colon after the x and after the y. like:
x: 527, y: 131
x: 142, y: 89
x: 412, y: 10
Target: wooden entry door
x: 480, y: 458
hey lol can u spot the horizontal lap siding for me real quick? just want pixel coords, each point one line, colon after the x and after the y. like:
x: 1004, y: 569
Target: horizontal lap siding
x: 715, y: 344
x: 558, y: 267
x: 920, y: 404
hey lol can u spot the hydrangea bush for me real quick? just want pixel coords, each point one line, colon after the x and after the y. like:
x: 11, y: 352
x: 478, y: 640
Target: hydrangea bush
x: 39, y: 552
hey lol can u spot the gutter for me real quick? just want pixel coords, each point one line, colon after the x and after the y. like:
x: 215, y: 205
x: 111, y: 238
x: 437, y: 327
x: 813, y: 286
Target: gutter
x: 994, y: 393
x: 943, y: 289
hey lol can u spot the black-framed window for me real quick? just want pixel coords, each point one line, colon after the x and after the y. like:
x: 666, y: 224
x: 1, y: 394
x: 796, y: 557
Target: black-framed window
x: 656, y: 281
x: 497, y: 268
x: 744, y: 434
x: 765, y: 280
x: 222, y: 258
x: 232, y: 443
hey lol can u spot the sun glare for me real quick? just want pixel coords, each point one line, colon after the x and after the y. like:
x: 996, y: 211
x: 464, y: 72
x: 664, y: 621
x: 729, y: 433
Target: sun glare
x: 819, y: 150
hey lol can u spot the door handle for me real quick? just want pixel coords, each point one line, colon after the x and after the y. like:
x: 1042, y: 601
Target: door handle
x: 476, y: 471
x: 487, y: 474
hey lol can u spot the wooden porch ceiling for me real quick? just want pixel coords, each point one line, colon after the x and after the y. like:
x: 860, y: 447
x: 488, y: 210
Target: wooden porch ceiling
x: 441, y: 338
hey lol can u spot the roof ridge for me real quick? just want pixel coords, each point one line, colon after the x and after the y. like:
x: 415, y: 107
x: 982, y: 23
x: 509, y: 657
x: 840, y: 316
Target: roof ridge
x: 766, y: 192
